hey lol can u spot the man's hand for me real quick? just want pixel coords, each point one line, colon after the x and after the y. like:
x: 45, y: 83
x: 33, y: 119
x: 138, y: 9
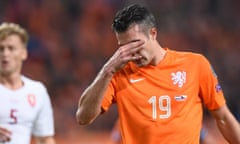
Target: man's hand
x: 45, y: 140
x: 5, y: 135
x: 124, y: 54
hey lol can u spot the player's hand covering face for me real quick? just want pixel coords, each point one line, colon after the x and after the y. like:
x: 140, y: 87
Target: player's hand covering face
x: 124, y: 54
x: 135, y: 34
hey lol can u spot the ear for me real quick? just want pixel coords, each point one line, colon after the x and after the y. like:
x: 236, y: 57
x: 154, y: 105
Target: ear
x: 24, y: 54
x: 153, y: 33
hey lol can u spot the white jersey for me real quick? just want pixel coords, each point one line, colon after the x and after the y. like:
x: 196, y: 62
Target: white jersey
x: 26, y: 111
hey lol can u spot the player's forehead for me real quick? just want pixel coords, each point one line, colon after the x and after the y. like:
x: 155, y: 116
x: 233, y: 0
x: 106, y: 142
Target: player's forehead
x: 12, y: 38
x: 133, y: 33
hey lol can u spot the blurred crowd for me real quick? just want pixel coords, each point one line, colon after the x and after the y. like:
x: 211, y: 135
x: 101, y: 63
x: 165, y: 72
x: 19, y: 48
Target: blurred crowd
x: 71, y: 40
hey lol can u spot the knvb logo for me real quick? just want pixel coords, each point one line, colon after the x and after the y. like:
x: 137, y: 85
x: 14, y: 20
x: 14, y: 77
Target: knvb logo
x: 179, y: 78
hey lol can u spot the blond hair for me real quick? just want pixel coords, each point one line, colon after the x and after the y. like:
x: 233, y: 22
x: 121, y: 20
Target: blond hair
x: 7, y: 29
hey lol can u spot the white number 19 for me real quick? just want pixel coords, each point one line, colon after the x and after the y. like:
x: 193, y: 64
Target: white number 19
x: 164, y: 105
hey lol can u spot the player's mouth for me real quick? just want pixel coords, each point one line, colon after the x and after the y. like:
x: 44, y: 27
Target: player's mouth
x: 4, y: 63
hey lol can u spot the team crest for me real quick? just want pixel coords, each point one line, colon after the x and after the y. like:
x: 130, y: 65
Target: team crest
x: 179, y: 78
x: 31, y: 100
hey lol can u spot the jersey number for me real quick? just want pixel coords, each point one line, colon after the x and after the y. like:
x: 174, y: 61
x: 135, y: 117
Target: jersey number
x: 164, y: 105
x: 13, y: 116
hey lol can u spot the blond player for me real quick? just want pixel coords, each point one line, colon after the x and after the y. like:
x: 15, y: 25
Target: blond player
x: 25, y: 107
x: 159, y: 92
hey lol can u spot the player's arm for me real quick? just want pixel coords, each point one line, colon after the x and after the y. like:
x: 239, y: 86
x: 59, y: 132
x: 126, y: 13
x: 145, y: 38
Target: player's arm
x: 89, y: 106
x: 45, y: 140
x: 43, y: 126
x: 227, y: 124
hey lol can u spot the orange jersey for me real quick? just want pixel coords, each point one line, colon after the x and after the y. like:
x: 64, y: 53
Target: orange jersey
x: 163, y: 104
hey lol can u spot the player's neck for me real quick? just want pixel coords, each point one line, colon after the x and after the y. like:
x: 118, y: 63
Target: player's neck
x: 12, y: 82
x: 160, y: 54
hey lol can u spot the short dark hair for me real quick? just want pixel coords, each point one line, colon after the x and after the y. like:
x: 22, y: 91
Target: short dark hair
x: 133, y: 14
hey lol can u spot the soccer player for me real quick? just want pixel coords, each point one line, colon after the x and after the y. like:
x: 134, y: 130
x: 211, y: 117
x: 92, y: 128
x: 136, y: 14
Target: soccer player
x: 159, y: 92
x: 25, y: 107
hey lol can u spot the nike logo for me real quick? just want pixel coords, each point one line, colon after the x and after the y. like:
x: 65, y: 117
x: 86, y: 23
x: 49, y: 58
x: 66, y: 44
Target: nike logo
x: 136, y: 80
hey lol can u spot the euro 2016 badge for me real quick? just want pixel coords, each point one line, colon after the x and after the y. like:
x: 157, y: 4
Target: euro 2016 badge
x: 218, y: 88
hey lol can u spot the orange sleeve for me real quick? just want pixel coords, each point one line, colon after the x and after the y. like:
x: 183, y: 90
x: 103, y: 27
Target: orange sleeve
x: 210, y: 89
x: 108, y: 98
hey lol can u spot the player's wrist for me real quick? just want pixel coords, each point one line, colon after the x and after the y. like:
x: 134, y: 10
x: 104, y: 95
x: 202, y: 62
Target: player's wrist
x: 108, y: 71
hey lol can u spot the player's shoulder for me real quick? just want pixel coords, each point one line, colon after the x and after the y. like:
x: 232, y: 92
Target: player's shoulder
x: 187, y: 55
x: 32, y: 83
x: 184, y: 53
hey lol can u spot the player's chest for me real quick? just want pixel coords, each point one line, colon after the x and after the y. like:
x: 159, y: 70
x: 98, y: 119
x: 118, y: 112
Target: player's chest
x: 177, y: 85
x: 159, y: 80
x: 18, y: 107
